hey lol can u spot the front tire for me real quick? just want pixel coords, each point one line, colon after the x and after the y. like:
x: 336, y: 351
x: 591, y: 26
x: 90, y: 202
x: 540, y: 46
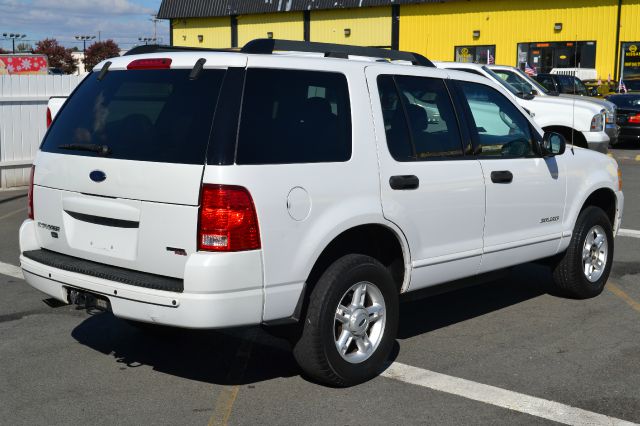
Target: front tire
x: 351, y: 323
x: 584, y: 268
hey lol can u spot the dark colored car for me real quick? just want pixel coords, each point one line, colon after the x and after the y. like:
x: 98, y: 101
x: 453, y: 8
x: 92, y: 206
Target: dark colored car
x: 628, y: 117
x: 567, y: 84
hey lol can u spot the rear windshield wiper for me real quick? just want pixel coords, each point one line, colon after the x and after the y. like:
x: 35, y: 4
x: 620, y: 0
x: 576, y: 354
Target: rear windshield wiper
x: 92, y: 147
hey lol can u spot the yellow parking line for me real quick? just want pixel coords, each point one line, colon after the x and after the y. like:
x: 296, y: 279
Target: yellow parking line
x: 610, y: 155
x: 637, y: 157
x: 613, y: 288
x: 227, y: 397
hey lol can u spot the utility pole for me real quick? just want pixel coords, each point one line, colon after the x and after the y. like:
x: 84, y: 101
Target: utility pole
x: 155, y: 21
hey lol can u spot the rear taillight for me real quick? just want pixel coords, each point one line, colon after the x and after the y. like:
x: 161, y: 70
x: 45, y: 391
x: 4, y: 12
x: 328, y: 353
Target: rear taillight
x: 150, y: 64
x: 30, y: 194
x: 49, y: 119
x: 634, y: 119
x: 228, y: 219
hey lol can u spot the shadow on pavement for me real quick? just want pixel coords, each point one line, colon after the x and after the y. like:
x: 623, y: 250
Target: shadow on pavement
x: 207, y: 356
x: 522, y: 283
x: 216, y: 356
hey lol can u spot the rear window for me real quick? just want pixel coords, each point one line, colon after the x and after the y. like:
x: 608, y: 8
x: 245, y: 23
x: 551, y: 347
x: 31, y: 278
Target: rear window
x: 292, y: 116
x: 143, y: 115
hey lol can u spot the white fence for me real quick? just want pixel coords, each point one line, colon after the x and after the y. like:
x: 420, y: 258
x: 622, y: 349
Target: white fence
x: 23, y: 109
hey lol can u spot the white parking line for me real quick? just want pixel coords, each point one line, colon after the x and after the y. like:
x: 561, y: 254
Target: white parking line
x: 499, y: 397
x: 11, y: 270
x: 629, y: 233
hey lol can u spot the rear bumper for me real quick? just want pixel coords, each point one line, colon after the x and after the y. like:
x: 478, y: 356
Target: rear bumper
x: 597, y: 141
x: 629, y: 133
x: 220, y: 290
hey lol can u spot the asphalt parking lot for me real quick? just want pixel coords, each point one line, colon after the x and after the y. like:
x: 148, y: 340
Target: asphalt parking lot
x: 498, y: 349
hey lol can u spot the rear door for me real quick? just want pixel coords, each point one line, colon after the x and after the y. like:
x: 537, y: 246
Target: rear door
x: 118, y: 177
x: 430, y: 186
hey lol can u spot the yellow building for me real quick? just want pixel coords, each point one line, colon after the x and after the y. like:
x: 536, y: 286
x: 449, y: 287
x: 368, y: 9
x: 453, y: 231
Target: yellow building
x: 545, y: 34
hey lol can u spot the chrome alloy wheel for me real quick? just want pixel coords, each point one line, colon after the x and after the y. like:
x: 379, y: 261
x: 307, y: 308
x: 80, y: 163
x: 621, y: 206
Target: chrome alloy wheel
x: 594, y: 253
x: 359, y: 322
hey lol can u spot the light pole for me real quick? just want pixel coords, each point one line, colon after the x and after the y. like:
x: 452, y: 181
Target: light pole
x: 13, y: 38
x: 147, y: 39
x: 84, y: 39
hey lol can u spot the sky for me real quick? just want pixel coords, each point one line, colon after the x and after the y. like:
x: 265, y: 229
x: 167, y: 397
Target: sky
x: 124, y: 21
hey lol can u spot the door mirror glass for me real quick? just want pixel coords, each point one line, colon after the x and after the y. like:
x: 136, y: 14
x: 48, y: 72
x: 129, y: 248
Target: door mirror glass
x: 553, y: 144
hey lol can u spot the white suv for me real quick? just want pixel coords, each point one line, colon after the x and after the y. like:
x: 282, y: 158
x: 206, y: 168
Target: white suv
x: 205, y: 189
x: 582, y: 121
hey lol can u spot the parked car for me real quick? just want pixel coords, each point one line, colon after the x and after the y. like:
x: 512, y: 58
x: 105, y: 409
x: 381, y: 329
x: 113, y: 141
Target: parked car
x: 628, y: 115
x: 526, y: 84
x: 565, y: 84
x: 582, y: 122
x: 205, y: 189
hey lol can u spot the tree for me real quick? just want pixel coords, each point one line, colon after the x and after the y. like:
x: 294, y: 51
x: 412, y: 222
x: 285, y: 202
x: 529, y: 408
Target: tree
x: 98, y: 52
x: 23, y: 47
x: 59, y: 56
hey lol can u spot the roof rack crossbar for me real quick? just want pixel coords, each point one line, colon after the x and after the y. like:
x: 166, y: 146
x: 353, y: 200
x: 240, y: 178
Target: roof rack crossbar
x: 268, y: 46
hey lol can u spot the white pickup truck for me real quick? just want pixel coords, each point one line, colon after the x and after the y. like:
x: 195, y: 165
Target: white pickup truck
x: 579, y: 121
x: 207, y: 189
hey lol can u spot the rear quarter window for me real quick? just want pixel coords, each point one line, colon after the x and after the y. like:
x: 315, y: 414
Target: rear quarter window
x: 294, y: 116
x: 143, y: 115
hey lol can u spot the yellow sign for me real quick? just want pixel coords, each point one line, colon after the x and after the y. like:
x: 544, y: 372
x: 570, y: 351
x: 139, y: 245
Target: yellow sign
x: 464, y: 51
x: 563, y: 56
x: 633, y: 48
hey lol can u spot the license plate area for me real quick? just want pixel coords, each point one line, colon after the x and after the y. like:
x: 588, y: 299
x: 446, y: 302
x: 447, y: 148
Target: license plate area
x: 86, y: 300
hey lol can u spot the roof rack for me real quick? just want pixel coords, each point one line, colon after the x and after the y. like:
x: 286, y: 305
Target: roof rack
x: 268, y: 46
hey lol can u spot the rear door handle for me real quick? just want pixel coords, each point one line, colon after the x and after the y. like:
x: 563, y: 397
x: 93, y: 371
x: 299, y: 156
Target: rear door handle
x: 404, y: 182
x: 502, y: 176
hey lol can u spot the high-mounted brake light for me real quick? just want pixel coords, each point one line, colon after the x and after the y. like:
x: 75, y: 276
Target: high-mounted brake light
x: 30, y: 194
x: 635, y: 119
x: 49, y: 119
x: 150, y: 64
x: 227, y: 220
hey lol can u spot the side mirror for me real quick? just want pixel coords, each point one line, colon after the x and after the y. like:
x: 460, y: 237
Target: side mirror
x: 534, y: 92
x: 552, y: 144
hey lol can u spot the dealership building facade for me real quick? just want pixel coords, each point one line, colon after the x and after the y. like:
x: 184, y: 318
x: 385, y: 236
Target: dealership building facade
x: 545, y: 34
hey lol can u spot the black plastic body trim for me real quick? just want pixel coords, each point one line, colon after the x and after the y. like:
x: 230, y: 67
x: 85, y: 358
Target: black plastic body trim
x: 104, y: 221
x: 107, y: 272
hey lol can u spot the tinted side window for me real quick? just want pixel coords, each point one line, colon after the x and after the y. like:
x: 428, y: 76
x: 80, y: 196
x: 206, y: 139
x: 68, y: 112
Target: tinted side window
x: 291, y: 116
x: 422, y: 106
x: 501, y: 129
x: 566, y: 84
x: 547, y: 82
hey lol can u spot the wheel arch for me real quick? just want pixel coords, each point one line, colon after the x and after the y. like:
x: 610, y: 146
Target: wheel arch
x: 566, y: 131
x: 382, y: 241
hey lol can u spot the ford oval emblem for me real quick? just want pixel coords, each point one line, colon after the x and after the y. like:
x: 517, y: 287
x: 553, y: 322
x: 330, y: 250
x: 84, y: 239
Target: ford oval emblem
x: 97, y: 176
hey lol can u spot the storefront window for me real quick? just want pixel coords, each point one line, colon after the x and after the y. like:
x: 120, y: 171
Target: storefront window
x: 476, y: 54
x: 543, y: 57
x: 630, y: 65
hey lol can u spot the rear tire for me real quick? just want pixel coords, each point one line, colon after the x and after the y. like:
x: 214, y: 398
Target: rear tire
x: 354, y: 306
x: 582, y: 271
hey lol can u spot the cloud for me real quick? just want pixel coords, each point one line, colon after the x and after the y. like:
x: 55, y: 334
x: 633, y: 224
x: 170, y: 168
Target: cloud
x: 121, y: 20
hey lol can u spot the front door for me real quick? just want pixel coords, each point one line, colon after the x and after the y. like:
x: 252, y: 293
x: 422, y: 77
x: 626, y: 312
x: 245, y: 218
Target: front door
x: 430, y: 187
x: 525, y: 192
